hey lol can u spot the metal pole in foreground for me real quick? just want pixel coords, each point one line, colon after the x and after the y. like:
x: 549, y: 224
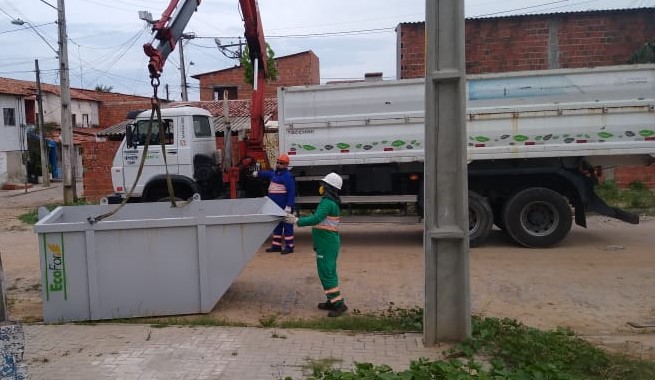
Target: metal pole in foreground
x: 447, y: 315
x: 45, y: 171
x: 68, y: 147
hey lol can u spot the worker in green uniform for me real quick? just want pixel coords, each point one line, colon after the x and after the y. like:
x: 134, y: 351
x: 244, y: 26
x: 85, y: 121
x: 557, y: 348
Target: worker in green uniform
x: 325, y: 236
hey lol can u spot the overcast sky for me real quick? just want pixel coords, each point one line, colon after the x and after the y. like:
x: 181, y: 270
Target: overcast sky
x: 350, y: 37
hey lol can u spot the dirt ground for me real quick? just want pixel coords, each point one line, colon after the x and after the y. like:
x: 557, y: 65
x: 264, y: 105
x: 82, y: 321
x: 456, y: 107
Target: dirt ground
x: 595, y: 282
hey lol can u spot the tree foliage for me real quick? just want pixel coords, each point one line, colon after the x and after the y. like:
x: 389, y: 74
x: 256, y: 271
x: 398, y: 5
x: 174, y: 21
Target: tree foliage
x: 248, y: 71
x: 103, y: 88
x: 645, y: 53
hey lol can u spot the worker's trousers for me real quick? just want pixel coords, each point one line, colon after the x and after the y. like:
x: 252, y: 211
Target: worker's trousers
x: 283, y: 230
x: 326, y: 245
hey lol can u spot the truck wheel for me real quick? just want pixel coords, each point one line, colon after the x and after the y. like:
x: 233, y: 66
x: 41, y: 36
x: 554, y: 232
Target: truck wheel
x: 537, y: 217
x: 481, y: 219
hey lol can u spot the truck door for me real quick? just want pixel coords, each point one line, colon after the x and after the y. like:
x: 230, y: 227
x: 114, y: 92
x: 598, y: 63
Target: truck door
x: 154, y: 164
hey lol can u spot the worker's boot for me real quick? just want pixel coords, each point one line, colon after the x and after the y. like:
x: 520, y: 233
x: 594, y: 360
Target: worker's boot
x: 275, y: 248
x: 325, y: 305
x: 287, y: 250
x: 338, y: 310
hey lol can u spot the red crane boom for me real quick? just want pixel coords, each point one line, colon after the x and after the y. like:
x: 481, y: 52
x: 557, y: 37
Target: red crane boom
x: 169, y: 30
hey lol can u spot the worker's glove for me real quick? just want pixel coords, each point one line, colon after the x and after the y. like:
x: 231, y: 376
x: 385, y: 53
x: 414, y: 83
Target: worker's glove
x: 255, y: 173
x: 287, y: 209
x: 291, y: 219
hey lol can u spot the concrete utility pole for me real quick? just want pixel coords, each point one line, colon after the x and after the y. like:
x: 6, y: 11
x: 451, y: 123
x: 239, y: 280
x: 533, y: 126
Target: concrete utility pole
x: 185, y: 96
x: 447, y: 315
x: 68, y: 147
x: 45, y: 171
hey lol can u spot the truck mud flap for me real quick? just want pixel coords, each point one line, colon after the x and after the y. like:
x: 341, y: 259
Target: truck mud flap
x: 598, y: 205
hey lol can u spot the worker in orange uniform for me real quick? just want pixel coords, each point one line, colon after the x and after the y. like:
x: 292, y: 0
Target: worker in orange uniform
x: 325, y: 236
x: 282, y: 191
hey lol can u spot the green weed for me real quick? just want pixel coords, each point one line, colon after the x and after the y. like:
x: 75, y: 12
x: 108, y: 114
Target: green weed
x: 32, y: 216
x: 507, y: 349
x: 393, y: 319
x: 636, y: 196
x: 191, y: 321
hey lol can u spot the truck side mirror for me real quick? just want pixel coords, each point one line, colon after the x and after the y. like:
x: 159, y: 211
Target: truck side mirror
x: 129, y: 136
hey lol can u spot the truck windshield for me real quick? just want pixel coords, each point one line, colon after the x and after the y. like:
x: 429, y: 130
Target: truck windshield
x: 141, y: 131
x: 201, y: 126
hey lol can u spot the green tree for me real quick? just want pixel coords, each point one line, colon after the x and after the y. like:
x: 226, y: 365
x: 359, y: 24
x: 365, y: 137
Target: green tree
x: 645, y: 53
x: 248, y: 72
x: 103, y: 88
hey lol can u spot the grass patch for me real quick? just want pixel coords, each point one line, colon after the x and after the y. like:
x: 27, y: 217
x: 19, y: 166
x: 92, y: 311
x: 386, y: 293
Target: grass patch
x: 32, y: 216
x: 392, y: 319
x: 636, y: 196
x: 506, y: 349
x: 191, y: 321
x: 316, y: 367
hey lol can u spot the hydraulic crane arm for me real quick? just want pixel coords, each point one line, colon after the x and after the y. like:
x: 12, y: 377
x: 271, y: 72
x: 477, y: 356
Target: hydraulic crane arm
x: 254, y: 34
x: 168, y: 31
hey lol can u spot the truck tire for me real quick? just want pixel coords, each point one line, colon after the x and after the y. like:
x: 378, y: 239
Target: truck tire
x: 481, y: 219
x: 537, y: 217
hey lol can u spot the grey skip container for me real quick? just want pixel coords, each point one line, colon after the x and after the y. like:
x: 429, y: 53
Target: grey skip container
x: 148, y: 259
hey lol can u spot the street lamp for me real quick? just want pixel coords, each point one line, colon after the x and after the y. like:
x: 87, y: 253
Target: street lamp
x: 68, y: 147
x: 45, y: 172
x: 20, y: 22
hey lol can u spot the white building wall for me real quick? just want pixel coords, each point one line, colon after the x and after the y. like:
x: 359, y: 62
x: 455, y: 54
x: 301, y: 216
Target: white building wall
x: 4, y: 175
x: 51, y: 108
x: 79, y: 108
x: 9, y: 134
x: 10, y: 142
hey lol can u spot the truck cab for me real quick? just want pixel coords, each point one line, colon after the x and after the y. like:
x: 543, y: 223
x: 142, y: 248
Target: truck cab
x: 189, y: 153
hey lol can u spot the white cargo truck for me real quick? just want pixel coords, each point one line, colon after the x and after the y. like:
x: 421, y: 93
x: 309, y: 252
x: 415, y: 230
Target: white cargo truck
x: 537, y: 141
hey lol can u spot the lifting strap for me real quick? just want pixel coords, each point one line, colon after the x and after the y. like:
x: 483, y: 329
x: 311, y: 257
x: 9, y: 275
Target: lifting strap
x: 156, y: 109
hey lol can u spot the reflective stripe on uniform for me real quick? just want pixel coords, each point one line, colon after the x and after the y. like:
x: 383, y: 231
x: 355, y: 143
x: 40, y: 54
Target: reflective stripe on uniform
x: 336, y: 299
x: 277, y: 188
x: 333, y: 290
x: 330, y: 223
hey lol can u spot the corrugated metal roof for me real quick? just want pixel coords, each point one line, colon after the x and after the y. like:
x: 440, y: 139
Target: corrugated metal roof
x: 538, y: 13
x: 116, y: 129
x: 543, y: 13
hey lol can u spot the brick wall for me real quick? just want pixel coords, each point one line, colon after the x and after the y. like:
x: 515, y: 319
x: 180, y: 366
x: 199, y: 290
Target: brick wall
x: 293, y: 70
x: 410, y: 47
x: 114, y: 112
x: 540, y: 42
x: 626, y: 175
x: 536, y: 42
x: 113, y: 107
x: 97, y: 158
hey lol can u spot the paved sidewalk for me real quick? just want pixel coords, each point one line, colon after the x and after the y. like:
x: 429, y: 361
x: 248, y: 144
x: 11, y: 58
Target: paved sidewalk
x: 120, y: 351
x: 36, y: 195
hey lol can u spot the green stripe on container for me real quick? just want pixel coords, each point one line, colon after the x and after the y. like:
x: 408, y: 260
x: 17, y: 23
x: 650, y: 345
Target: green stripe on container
x: 45, y: 257
x: 63, y: 260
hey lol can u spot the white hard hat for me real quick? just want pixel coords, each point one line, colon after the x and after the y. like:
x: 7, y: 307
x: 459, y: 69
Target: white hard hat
x: 334, y: 180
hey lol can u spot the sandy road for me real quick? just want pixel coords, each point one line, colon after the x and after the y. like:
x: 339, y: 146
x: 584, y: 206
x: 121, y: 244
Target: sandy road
x: 595, y: 282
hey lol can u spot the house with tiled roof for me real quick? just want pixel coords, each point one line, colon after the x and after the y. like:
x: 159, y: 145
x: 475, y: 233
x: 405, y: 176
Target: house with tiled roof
x: 19, y: 116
